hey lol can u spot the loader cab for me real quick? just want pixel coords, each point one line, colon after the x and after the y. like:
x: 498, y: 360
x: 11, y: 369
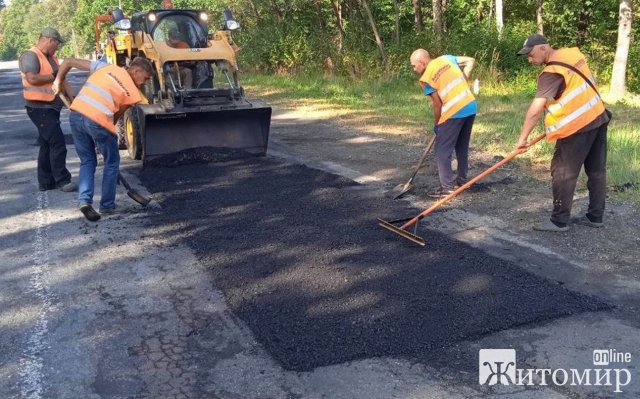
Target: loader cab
x: 188, y: 26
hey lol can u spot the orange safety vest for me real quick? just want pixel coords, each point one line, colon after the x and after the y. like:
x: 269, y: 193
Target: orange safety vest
x: 107, y: 90
x: 578, y: 105
x: 41, y: 92
x: 450, y: 84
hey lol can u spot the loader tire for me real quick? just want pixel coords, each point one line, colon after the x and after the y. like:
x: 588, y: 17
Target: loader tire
x: 122, y: 141
x: 132, y: 133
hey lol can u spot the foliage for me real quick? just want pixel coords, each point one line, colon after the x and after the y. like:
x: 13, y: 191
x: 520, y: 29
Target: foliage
x: 302, y: 36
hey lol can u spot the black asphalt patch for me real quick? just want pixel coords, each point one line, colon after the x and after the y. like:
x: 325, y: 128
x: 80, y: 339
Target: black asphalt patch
x: 301, y: 260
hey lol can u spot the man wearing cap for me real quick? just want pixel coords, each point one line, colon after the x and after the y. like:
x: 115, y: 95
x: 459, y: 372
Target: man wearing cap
x: 104, y: 98
x: 445, y: 81
x: 38, y: 67
x: 576, y: 119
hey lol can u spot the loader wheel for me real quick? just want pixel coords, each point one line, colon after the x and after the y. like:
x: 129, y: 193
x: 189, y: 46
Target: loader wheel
x: 122, y: 142
x: 132, y: 133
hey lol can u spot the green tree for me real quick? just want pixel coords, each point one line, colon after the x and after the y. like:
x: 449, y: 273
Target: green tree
x: 15, y: 39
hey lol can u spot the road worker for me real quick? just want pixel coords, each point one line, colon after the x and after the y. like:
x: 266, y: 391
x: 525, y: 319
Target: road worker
x: 445, y: 81
x: 576, y: 119
x: 38, y: 67
x: 107, y: 94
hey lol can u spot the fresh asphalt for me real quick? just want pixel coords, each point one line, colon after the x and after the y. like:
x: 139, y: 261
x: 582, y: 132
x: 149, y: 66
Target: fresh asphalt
x: 301, y: 260
x: 266, y: 279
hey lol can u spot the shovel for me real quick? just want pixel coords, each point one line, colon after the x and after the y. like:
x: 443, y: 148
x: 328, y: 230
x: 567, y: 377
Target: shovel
x: 401, y: 189
x: 413, y: 221
x: 131, y: 192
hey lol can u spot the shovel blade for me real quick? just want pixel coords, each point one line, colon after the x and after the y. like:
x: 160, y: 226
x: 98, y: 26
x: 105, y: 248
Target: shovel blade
x: 139, y: 198
x: 399, y: 191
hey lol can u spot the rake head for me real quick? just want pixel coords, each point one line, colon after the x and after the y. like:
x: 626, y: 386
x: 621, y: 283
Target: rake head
x: 402, y: 232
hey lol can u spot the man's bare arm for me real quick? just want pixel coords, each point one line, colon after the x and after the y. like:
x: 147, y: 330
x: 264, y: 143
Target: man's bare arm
x: 437, y: 106
x: 466, y: 64
x: 38, y: 80
x: 65, y: 67
x: 530, y: 120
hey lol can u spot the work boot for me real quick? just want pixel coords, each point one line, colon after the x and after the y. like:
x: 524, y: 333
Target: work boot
x: 107, y: 211
x: 69, y: 187
x: 439, y: 193
x: 549, y: 225
x: 90, y: 213
x: 588, y: 220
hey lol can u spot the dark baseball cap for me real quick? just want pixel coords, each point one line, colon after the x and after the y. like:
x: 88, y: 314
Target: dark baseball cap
x: 52, y: 33
x: 531, y: 41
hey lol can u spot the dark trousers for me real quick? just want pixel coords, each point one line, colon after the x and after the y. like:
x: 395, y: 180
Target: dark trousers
x: 52, y: 169
x: 454, y: 134
x: 589, y: 149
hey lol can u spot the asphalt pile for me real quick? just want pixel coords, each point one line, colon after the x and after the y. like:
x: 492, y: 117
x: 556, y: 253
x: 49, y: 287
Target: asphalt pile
x: 301, y: 260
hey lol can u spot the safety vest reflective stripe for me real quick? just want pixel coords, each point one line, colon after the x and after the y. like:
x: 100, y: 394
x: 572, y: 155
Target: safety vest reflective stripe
x: 95, y: 104
x: 462, y: 95
x: 101, y: 92
x: 38, y: 89
x: 442, y: 93
x: 42, y: 92
x: 566, y: 99
x: 574, y: 115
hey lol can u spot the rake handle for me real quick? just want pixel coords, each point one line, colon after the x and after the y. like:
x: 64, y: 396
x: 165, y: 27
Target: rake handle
x: 468, y: 184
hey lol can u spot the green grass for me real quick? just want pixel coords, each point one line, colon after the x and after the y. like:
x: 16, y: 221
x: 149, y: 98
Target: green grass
x: 397, y: 107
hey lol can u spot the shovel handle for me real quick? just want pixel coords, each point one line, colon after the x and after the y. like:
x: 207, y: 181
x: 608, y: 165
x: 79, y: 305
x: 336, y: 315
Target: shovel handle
x: 65, y: 100
x: 468, y: 184
x: 422, y: 158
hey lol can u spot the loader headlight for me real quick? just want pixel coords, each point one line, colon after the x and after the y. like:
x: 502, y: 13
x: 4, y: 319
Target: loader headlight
x: 231, y: 25
x: 204, y: 16
x: 152, y: 17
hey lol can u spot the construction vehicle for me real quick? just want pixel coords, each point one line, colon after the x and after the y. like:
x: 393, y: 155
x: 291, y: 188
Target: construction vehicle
x: 195, y: 103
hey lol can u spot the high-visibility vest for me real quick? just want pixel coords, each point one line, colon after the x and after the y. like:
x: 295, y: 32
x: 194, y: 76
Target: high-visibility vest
x: 107, y: 90
x: 42, y: 92
x: 579, y: 104
x: 450, y: 84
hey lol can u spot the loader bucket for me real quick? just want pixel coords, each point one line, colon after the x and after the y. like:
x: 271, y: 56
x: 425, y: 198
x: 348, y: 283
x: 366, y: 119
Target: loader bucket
x: 204, y: 134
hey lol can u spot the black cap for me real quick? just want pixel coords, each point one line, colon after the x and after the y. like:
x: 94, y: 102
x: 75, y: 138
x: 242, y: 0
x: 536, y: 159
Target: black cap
x: 531, y: 41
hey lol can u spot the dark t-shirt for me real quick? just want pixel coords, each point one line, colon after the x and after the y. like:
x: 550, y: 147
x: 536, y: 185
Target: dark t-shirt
x: 551, y: 85
x: 29, y: 62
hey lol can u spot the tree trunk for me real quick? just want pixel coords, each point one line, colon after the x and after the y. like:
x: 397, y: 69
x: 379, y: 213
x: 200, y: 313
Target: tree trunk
x: 437, y: 18
x: 618, y: 75
x: 337, y: 12
x: 396, y: 28
x: 417, y: 12
x: 379, y: 43
x: 499, y: 21
x: 539, y: 17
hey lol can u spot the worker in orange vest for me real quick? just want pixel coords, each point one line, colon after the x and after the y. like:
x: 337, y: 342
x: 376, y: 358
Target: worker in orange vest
x: 445, y: 81
x: 576, y: 119
x: 107, y: 94
x: 38, y: 67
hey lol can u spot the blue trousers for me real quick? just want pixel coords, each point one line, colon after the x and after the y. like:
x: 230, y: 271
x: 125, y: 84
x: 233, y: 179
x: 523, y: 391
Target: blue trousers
x: 86, y: 136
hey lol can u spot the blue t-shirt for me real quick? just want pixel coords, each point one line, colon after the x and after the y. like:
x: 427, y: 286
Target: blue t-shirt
x: 467, y: 110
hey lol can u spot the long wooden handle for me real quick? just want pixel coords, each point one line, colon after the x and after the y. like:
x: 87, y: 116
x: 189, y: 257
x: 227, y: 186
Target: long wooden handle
x: 65, y: 100
x: 422, y: 158
x: 471, y: 182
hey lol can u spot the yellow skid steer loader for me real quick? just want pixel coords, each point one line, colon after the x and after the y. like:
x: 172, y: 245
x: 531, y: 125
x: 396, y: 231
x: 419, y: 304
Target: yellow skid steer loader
x: 197, y: 109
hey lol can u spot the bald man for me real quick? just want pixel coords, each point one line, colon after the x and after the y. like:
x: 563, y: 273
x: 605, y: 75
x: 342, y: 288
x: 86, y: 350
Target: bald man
x: 445, y: 81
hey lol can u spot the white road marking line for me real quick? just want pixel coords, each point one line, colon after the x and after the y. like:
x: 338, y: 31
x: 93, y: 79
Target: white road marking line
x: 32, y: 363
